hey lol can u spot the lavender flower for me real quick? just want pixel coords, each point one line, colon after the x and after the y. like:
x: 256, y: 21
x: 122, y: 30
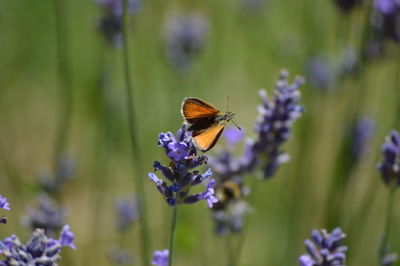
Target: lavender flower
x: 273, y: 126
x: 160, y: 257
x: 349, y: 63
x: 362, y: 133
x: 184, y: 37
x: 47, y: 215
x: 4, y: 204
x: 127, y: 212
x: 40, y: 249
x: 224, y: 165
x: 389, y: 167
x: 229, y: 212
x: 120, y: 257
x: 389, y: 259
x: 65, y: 171
x: 320, y: 74
x: 111, y: 23
x: 230, y: 218
x: 324, y: 249
x: 67, y: 237
x: 385, y: 19
x: 184, y: 158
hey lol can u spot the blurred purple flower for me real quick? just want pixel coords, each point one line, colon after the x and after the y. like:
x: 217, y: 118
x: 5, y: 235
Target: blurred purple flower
x: 4, y: 204
x: 253, y: 5
x: 233, y: 135
x: 183, y: 155
x: 273, y: 126
x: 47, y: 215
x: 389, y: 259
x: 230, y: 218
x: 119, y: 256
x: 160, y: 257
x: 349, y: 64
x: 385, y: 22
x: 229, y: 211
x: 347, y: 5
x: 65, y: 171
x: 362, y: 133
x: 320, y: 74
x: 40, y: 250
x: 185, y: 37
x: 386, y: 6
x: 324, y: 249
x: 127, y: 212
x: 389, y: 167
x: 110, y: 24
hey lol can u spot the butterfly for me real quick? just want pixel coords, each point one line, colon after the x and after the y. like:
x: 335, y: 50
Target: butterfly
x: 206, y: 122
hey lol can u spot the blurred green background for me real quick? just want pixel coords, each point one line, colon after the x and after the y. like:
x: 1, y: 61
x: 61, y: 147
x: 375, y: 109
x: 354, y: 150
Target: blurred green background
x: 244, y: 51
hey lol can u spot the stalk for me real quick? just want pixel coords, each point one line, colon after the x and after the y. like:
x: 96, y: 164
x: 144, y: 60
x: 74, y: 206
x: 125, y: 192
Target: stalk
x: 172, y: 238
x: 139, y: 185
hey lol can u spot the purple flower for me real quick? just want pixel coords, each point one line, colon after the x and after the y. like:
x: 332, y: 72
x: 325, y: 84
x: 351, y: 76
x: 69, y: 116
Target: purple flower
x: 324, y: 249
x: 110, y: 24
x: 233, y: 135
x: 320, y: 74
x: 127, y: 212
x: 385, y: 21
x: 160, y: 257
x: 273, y: 126
x: 386, y: 6
x: 184, y: 158
x: 67, y: 237
x: 47, y: 215
x: 40, y: 250
x: 362, y: 133
x: 53, y: 182
x: 209, y: 194
x: 178, y: 151
x: 184, y: 37
x: 4, y: 204
x: 347, y: 5
x: 389, y: 167
x: 230, y: 218
x: 389, y: 259
x: 229, y: 211
x: 120, y: 256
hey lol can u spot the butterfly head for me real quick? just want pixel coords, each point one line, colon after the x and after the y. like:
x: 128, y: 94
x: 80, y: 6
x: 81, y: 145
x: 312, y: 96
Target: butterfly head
x: 225, y: 117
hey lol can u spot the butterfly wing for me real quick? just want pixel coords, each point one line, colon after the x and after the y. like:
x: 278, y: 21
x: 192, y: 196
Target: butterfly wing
x: 194, y: 110
x: 206, y: 139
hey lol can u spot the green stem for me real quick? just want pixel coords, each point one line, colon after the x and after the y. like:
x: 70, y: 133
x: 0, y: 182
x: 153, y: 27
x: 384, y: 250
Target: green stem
x: 384, y: 247
x: 243, y: 234
x: 228, y: 249
x: 172, y: 238
x: 66, y: 94
x: 139, y: 185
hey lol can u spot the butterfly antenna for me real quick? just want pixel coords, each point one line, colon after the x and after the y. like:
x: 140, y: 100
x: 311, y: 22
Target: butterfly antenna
x: 227, y: 104
x: 233, y: 121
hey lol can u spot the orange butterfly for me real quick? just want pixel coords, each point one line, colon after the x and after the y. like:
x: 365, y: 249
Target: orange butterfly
x: 207, y: 122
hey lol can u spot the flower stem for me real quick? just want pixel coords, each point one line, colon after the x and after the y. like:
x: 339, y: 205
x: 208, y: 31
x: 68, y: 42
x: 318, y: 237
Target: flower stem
x: 139, y: 185
x: 172, y: 238
x: 228, y: 249
x: 384, y: 247
x: 66, y: 95
x: 242, y: 237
